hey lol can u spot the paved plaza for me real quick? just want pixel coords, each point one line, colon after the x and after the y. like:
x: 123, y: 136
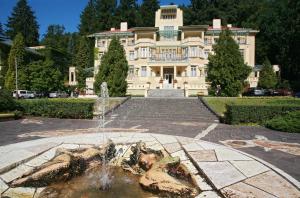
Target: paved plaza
x: 177, y: 117
x: 219, y: 171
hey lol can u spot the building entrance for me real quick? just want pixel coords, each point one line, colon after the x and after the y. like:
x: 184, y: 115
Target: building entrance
x: 168, y: 78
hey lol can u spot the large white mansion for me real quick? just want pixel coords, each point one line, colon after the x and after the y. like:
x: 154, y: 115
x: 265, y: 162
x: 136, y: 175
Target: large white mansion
x: 170, y: 55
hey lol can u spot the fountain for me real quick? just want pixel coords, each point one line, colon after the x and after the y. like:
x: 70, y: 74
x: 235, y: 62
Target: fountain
x: 95, y: 172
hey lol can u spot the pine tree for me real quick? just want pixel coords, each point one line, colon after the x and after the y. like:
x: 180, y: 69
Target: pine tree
x: 267, y: 76
x: 88, y: 19
x: 23, y: 20
x: 16, y: 55
x: 226, y: 67
x: 55, y: 38
x: 147, y: 12
x: 113, y: 70
x: 106, y: 14
x: 127, y: 12
x: 1, y: 30
x: 82, y: 62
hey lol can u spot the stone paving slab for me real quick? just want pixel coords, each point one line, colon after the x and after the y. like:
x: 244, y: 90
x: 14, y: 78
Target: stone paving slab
x: 172, y: 147
x: 242, y: 190
x: 203, y: 156
x: 221, y: 174
x: 272, y: 183
x: 15, y: 173
x: 3, y: 186
x: 181, y: 154
x: 19, y: 192
x: 165, y: 139
x: 38, y: 192
x: 201, y: 183
x: 250, y: 168
x: 225, y: 154
x: 192, y: 147
x: 190, y: 166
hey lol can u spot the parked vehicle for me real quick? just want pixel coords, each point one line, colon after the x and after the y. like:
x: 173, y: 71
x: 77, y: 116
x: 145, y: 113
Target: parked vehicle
x: 24, y: 94
x: 255, y: 92
x: 58, y: 94
x: 297, y: 94
x: 284, y: 92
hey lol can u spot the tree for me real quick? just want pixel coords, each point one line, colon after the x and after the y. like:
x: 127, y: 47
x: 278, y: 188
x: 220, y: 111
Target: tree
x: 1, y: 30
x: 113, y: 70
x: 226, y: 67
x: 106, y: 14
x: 56, y: 38
x: 82, y: 62
x: 147, y: 12
x: 16, y: 55
x: 127, y: 11
x: 267, y: 76
x: 88, y: 19
x: 45, y: 76
x: 23, y: 20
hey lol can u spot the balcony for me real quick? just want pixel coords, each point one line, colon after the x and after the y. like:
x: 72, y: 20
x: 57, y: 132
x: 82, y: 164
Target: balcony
x: 168, y: 58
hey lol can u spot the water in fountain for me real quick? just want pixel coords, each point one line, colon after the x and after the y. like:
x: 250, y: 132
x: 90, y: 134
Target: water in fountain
x: 105, y: 173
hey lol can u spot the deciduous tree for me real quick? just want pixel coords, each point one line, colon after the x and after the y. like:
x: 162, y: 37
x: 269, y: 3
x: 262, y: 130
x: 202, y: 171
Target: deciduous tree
x: 267, y: 76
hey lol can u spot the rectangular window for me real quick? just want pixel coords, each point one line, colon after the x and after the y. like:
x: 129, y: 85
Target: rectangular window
x: 144, y: 52
x: 168, y: 27
x: 131, y: 71
x: 100, y: 55
x: 193, y: 71
x: 131, y: 55
x: 194, y: 51
x: 144, y: 71
x: 242, y: 53
x: 206, y: 53
x: 216, y: 40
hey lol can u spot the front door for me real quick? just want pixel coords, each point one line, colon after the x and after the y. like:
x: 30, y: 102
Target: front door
x: 168, y: 81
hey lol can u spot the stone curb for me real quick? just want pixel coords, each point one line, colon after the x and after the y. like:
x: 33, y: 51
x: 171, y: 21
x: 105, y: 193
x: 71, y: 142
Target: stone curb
x: 221, y: 119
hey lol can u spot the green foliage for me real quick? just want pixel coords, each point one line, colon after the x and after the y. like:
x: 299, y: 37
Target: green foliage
x: 113, y: 70
x: 267, y: 76
x: 127, y: 11
x: 45, y: 76
x: 55, y: 38
x: 1, y: 30
x: 226, y: 67
x: 239, y: 113
x: 23, y: 20
x: 82, y: 62
x: 17, y: 55
x: 88, y: 23
x: 7, y: 103
x: 147, y: 13
x: 58, y: 108
x: 289, y: 122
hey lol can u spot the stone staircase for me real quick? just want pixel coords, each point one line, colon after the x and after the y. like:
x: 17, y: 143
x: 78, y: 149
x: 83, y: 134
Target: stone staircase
x: 166, y: 93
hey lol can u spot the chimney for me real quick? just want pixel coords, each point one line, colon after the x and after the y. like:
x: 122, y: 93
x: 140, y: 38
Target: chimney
x: 123, y: 26
x: 229, y: 25
x: 216, y: 23
x: 112, y: 29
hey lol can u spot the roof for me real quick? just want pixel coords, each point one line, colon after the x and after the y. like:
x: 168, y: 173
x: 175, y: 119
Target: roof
x: 210, y: 29
x: 9, y: 43
x: 193, y: 27
x: 113, y: 33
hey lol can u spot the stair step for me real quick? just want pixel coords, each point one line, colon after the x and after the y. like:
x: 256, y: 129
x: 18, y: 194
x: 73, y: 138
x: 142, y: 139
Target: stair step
x: 166, y: 93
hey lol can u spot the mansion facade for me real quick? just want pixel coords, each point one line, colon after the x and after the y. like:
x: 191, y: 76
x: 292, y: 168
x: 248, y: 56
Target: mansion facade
x: 171, y: 55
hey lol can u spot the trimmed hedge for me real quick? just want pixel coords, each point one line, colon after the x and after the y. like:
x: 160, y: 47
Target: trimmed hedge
x: 7, y: 103
x: 238, y: 113
x: 58, y: 108
x: 288, y: 123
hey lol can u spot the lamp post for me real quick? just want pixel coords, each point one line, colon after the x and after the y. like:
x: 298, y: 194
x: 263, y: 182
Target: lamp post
x: 16, y: 67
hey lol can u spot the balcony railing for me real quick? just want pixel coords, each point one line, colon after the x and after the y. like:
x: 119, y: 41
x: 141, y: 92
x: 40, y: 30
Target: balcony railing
x: 167, y: 58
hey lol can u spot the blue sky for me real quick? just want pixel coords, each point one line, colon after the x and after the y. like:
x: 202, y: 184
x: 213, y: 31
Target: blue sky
x: 63, y: 12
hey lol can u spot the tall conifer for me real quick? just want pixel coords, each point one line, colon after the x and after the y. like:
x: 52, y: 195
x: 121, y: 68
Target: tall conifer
x: 23, y: 20
x: 226, y: 68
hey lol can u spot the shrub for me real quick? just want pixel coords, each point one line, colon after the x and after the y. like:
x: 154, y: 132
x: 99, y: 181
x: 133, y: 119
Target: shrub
x: 58, y: 108
x: 288, y: 123
x: 250, y: 113
x: 7, y: 103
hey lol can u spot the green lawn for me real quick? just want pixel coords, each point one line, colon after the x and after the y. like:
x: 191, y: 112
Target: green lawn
x: 218, y: 104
